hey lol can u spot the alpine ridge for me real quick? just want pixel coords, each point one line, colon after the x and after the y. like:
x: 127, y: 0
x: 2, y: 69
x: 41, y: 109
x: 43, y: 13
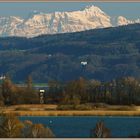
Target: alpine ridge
x: 90, y: 17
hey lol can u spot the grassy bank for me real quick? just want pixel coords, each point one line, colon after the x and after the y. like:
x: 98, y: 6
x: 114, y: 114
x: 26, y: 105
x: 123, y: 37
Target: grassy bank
x: 75, y: 113
x: 52, y: 110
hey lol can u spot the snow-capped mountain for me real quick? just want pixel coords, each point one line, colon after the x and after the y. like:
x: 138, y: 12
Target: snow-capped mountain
x: 123, y: 21
x: 58, y: 22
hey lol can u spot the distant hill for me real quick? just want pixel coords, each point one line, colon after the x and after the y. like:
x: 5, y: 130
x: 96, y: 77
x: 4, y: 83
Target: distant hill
x: 109, y: 53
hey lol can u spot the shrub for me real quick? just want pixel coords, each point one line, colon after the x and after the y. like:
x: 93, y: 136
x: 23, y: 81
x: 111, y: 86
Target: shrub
x: 66, y: 107
x: 10, y: 126
x: 1, y: 103
x: 83, y: 107
x: 22, y: 108
x: 36, y: 131
x: 100, y: 105
x: 100, y: 131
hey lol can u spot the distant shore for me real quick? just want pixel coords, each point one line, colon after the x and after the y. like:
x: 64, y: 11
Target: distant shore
x: 50, y: 110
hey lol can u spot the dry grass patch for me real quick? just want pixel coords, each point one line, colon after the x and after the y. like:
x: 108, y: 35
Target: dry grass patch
x: 76, y: 113
x: 50, y: 110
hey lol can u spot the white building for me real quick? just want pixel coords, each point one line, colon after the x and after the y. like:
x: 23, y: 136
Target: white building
x: 84, y: 63
x: 2, y: 77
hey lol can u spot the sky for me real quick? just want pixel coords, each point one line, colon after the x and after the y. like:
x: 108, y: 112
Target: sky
x: 130, y: 10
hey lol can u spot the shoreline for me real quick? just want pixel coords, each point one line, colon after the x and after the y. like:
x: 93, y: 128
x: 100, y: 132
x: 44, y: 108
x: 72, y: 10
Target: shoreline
x: 51, y: 110
x: 74, y: 113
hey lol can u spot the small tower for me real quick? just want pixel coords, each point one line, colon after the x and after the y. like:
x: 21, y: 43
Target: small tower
x: 42, y: 96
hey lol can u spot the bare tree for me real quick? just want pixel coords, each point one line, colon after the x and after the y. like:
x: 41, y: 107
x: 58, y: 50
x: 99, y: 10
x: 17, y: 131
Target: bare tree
x: 100, y: 131
x: 10, y: 126
x: 37, y: 131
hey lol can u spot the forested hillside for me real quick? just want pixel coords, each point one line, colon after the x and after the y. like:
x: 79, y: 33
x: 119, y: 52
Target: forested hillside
x: 110, y: 53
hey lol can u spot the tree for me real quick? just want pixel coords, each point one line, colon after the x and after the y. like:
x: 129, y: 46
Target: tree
x: 29, y: 94
x: 27, y: 127
x: 82, y: 85
x: 10, y: 126
x: 55, y: 88
x: 29, y: 82
x: 100, y: 131
x: 39, y: 131
x: 36, y: 131
x: 9, y: 91
x: 1, y: 99
x: 93, y: 90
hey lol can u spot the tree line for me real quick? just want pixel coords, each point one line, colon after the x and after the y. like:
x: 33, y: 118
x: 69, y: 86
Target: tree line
x: 11, y: 94
x: 123, y: 91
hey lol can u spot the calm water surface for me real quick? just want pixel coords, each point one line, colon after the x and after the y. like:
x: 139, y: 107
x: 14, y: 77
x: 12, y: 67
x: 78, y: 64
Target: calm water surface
x: 79, y: 127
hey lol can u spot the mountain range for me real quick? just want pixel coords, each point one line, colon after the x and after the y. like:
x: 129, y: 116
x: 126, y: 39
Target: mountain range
x: 91, y: 17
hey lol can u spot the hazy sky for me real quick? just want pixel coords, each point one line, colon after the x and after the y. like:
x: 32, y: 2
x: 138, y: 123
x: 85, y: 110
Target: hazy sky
x: 129, y: 10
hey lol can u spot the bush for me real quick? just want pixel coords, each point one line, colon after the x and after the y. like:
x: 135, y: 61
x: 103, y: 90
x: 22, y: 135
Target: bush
x: 1, y: 103
x: 66, y: 107
x: 39, y: 131
x: 100, y: 105
x: 75, y: 107
x: 10, y: 126
x: 100, y: 131
x: 83, y: 107
x: 22, y: 108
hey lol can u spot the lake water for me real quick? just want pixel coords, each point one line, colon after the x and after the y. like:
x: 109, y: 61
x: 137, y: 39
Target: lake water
x: 79, y: 127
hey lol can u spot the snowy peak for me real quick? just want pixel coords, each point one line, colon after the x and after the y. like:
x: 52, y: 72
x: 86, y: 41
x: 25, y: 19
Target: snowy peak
x: 38, y: 23
x: 93, y: 9
x: 123, y: 21
x: 8, y: 25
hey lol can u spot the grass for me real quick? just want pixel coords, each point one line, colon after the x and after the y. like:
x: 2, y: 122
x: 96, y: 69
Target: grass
x: 75, y: 113
x: 51, y: 110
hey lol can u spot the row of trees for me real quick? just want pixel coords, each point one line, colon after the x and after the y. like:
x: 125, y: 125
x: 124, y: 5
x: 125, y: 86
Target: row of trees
x: 124, y: 91
x: 11, y: 94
